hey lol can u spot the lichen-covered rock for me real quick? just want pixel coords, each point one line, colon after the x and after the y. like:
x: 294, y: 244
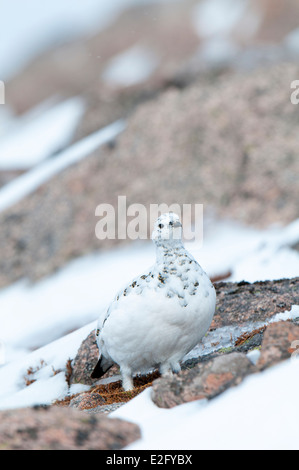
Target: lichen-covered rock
x: 241, y: 302
x: 57, y: 428
x: 203, y: 381
x: 87, y: 400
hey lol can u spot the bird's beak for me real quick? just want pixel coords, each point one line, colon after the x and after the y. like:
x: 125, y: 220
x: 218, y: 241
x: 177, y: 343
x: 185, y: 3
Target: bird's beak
x: 177, y: 224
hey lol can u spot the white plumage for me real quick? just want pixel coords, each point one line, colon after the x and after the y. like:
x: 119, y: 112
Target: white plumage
x: 161, y: 315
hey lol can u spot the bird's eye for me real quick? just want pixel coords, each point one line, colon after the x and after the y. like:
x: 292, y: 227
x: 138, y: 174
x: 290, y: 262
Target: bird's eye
x: 160, y: 225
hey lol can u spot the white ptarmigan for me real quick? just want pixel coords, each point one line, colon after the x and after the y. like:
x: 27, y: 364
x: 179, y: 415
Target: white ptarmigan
x: 161, y: 315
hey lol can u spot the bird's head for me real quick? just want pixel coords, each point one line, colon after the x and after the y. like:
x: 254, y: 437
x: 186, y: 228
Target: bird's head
x: 167, y: 228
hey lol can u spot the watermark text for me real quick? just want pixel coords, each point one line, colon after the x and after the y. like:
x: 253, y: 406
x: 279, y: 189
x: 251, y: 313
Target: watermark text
x: 136, y: 221
x: 295, y: 94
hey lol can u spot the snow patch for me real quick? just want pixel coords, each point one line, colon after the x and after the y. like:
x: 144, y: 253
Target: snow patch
x: 291, y: 41
x: 68, y: 299
x: 260, y: 413
x: 38, y: 135
x: 249, y: 254
x: 130, y: 67
x: 213, y: 17
x: 27, y: 183
x: 48, y: 387
x: 41, y: 28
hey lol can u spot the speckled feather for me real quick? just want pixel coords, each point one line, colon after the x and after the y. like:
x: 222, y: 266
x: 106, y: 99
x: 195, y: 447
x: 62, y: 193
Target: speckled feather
x: 162, y: 314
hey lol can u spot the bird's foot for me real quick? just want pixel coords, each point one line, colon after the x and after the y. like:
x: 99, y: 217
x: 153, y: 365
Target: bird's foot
x: 127, y: 380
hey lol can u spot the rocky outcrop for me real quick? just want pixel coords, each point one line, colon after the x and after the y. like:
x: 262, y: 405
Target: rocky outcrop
x: 213, y: 376
x: 279, y: 343
x: 225, y: 137
x: 238, y: 304
x: 241, y: 302
x: 85, y: 361
x: 194, y: 145
x: 203, y: 381
x: 85, y: 401
x: 56, y: 428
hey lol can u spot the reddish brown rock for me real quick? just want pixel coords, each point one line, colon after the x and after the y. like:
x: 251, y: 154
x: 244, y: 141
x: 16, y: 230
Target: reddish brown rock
x: 203, y: 381
x: 85, y: 361
x: 277, y: 343
x: 241, y: 302
x: 237, y: 304
x: 209, y: 152
x: 87, y: 400
x: 57, y: 428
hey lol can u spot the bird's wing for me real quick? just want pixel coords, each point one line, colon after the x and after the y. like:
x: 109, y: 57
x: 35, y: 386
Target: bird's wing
x: 124, y: 291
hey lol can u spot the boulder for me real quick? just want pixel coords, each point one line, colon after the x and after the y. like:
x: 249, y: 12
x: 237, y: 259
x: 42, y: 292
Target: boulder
x: 85, y: 361
x: 205, y: 380
x: 243, y: 302
x: 279, y: 343
x: 87, y: 400
x: 57, y: 428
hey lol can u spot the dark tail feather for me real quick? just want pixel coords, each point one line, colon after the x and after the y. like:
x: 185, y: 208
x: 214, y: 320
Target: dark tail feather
x: 101, y: 368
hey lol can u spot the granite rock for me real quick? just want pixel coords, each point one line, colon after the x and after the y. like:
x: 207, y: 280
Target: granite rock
x: 279, y: 343
x: 57, y: 428
x: 87, y: 400
x: 85, y: 361
x: 205, y: 380
x: 214, y: 150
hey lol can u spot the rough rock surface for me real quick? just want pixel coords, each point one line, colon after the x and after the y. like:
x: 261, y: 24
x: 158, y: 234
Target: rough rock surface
x: 212, y: 375
x: 217, y: 140
x: 223, y: 138
x: 85, y: 361
x: 56, y: 428
x: 106, y: 409
x: 238, y: 304
x: 277, y: 343
x: 202, y: 381
x: 212, y: 140
x: 86, y: 401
